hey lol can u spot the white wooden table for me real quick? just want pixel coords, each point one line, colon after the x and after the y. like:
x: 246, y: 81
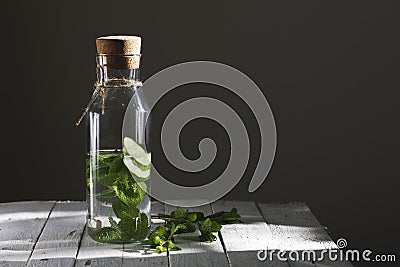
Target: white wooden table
x: 53, y: 234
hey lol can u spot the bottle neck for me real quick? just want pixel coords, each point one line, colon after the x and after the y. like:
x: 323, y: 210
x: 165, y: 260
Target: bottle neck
x: 117, y: 70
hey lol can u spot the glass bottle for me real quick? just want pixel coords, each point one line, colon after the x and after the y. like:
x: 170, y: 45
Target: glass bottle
x: 118, y: 161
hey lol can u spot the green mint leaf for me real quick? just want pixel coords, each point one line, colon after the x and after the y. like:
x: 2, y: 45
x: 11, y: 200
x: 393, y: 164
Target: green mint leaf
x: 175, y: 228
x: 171, y: 245
x: 207, y: 237
x: 116, y: 165
x: 159, y: 235
x: 157, y: 240
x: 206, y: 228
x: 107, y: 179
x: 142, y: 189
x: 142, y: 226
x: 190, y: 228
x: 179, y: 213
x: 108, y: 193
x: 215, y: 226
x: 127, y: 228
x: 192, y: 216
x: 129, y: 195
x: 224, y: 217
x: 113, y: 223
x: 130, y: 192
x: 199, y: 216
x: 161, y: 249
x: 107, y: 234
x: 122, y: 210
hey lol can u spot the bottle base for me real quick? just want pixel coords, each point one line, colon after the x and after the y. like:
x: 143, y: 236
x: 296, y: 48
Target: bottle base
x: 92, y: 233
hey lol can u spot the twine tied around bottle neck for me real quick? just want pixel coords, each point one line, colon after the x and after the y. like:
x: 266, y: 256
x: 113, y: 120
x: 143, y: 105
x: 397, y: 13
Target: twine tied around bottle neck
x: 99, y: 88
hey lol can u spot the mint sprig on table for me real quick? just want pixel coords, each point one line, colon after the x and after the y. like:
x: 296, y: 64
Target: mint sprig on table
x: 181, y: 221
x: 124, y: 174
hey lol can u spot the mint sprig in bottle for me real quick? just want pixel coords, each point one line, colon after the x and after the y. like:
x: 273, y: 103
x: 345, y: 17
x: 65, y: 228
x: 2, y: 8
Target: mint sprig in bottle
x: 118, y: 162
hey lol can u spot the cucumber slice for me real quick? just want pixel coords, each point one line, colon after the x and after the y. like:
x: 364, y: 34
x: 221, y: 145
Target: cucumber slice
x: 135, y: 170
x: 141, y: 166
x: 140, y: 156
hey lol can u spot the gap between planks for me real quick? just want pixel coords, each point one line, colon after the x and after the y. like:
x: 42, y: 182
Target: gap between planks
x: 21, y: 224
x: 297, y: 229
x: 243, y: 240
x: 60, y: 238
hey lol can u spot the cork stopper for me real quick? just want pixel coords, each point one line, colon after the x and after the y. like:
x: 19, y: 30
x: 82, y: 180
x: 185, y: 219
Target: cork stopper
x: 120, y: 51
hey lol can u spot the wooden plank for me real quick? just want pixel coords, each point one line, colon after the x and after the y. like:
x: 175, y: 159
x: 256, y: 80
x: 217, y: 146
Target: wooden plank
x: 194, y: 252
x: 296, y: 229
x: 20, y: 226
x: 140, y: 254
x: 244, y: 240
x: 93, y: 253
x: 59, y: 241
x: 290, y: 227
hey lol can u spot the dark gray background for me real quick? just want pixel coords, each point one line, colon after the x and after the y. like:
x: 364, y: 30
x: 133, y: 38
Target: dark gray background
x: 329, y: 69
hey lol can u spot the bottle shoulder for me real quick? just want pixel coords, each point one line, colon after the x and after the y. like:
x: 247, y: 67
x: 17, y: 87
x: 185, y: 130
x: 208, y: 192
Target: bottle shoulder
x: 118, y: 98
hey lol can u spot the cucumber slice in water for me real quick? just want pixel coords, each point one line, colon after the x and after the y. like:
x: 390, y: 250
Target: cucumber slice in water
x: 140, y: 156
x: 135, y: 170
